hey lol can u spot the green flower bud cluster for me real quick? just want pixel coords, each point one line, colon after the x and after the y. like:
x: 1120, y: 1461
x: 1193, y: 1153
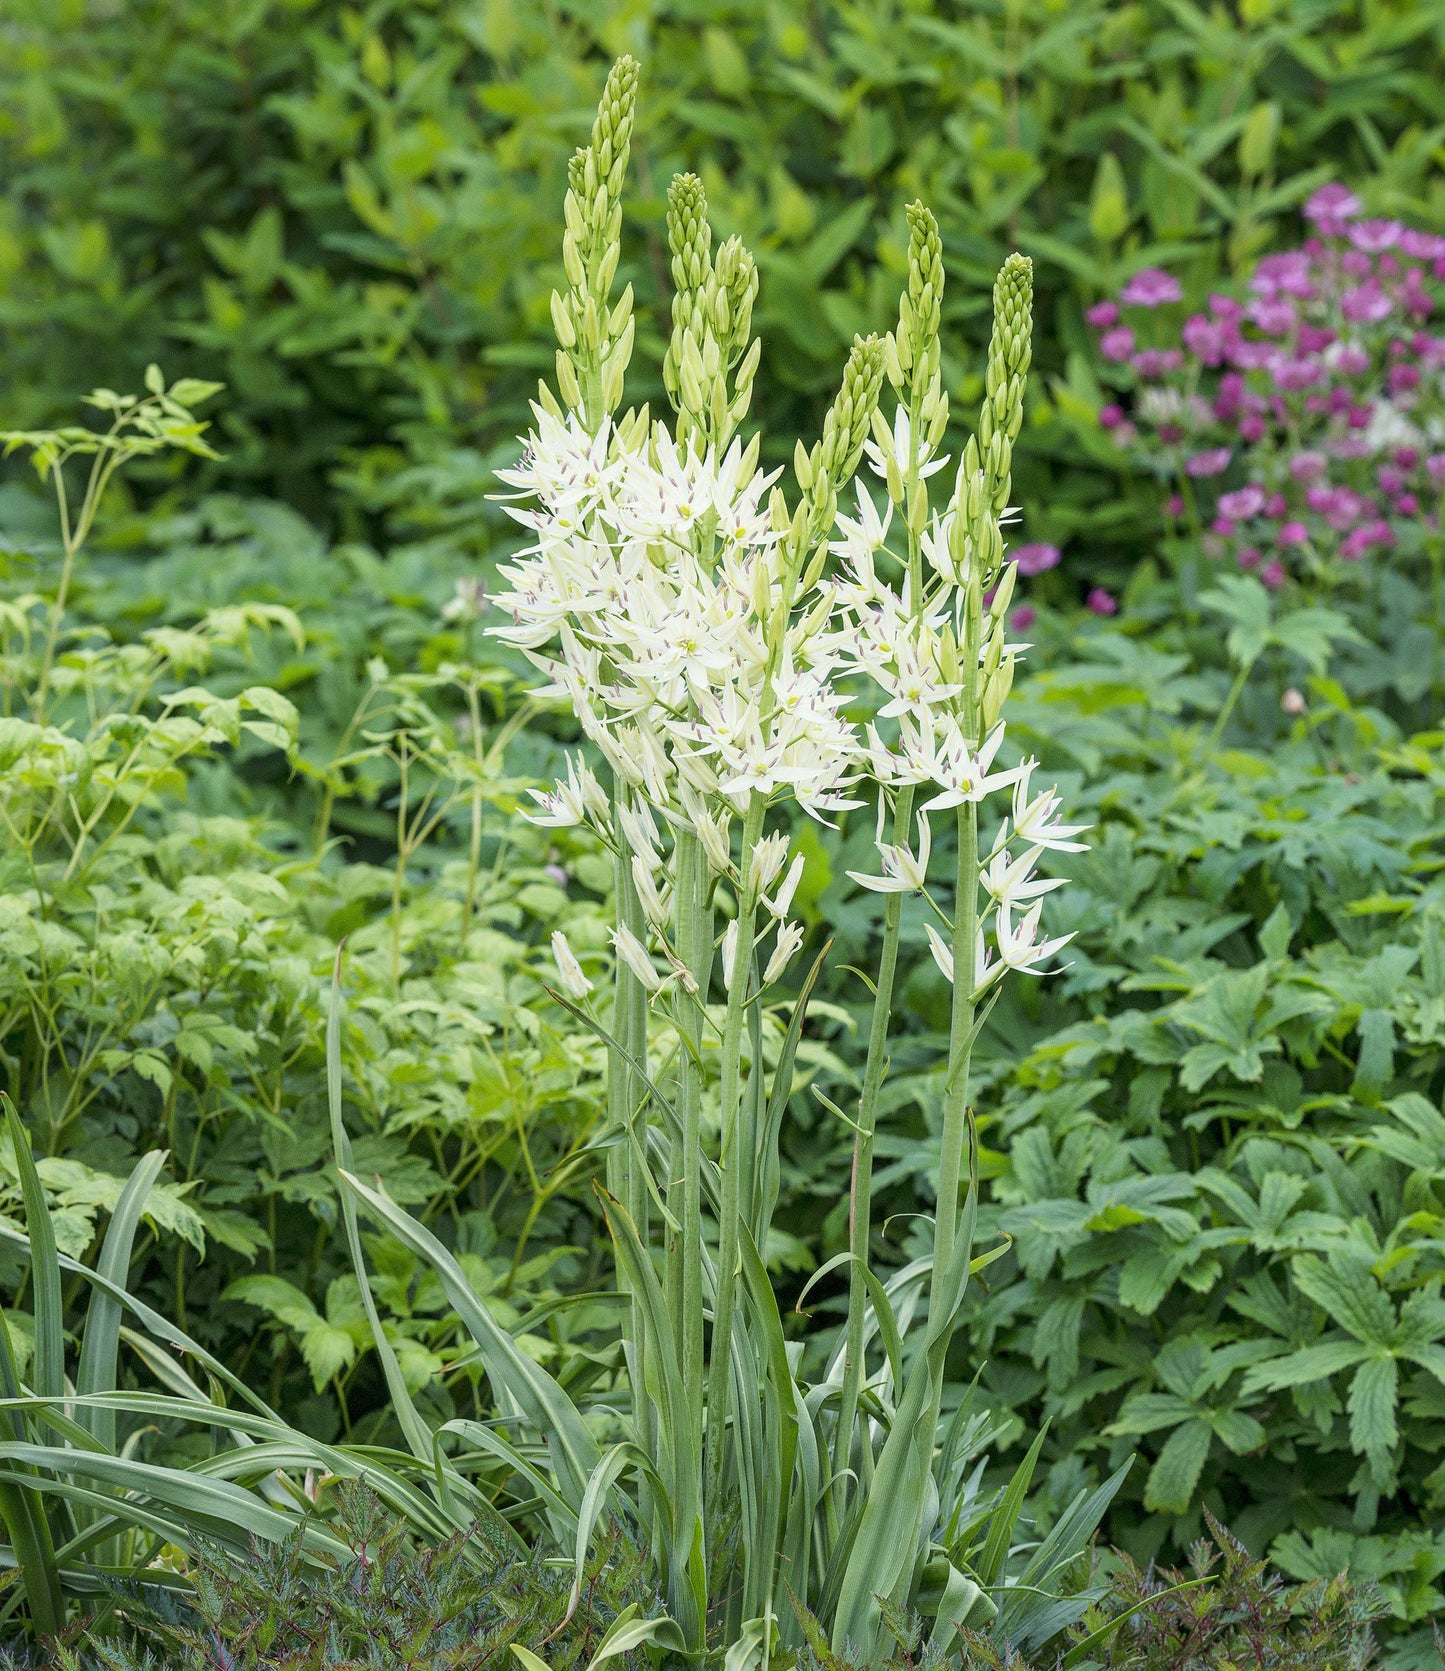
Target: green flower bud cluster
x: 710, y: 365
x: 985, y: 470
x: 913, y: 358
x: 595, y: 335
x: 981, y: 493
x: 913, y: 349
x: 829, y: 462
x: 1009, y: 352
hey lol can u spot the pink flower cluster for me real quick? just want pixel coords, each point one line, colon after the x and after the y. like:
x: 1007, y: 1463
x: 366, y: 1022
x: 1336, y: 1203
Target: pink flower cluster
x: 1303, y: 426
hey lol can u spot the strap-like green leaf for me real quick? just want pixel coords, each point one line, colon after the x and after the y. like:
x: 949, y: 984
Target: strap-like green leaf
x: 101, y: 1340
x: 1006, y: 1516
x: 48, y: 1378
x: 551, y: 1413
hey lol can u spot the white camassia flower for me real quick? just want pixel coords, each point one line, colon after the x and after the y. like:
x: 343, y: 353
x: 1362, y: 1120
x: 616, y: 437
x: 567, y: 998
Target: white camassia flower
x: 965, y: 776
x: 903, y: 871
x: 1019, y: 945
x: 568, y: 804
x: 768, y: 859
x: 569, y: 971
x: 1009, y: 878
x: 729, y: 951
x: 899, y: 445
x: 653, y: 899
x: 863, y: 535
x: 986, y: 969
x: 1036, y: 822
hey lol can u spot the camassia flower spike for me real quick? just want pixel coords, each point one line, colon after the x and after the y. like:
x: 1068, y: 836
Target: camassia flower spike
x: 740, y: 658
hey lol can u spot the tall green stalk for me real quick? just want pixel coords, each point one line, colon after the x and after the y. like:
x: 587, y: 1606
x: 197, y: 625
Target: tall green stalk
x: 730, y: 1163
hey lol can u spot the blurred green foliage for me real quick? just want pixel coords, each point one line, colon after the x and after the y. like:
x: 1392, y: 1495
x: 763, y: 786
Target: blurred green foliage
x: 347, y: 212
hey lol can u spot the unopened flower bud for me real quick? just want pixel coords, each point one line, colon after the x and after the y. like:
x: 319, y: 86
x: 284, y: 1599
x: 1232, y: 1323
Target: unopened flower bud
x: 569, y: 971
x: 634, y: 954
x: 767, y: 860
x: 782, y: 900
x: 650, y: 896
x: 790, y: 937
x: 561, y: 323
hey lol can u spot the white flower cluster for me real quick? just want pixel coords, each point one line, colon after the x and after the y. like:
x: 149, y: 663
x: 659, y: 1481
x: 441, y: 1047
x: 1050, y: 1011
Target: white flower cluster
x: 658, y: 573
x: 911, y: 653
x: 656, y: 596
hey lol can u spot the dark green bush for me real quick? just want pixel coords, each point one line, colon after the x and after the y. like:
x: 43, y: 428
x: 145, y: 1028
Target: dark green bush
x: 1227, y: 1612
x: 451, y: 1606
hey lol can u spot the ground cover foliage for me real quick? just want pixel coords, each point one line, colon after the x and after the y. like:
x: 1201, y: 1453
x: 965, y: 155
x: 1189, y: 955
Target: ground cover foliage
x: 1216, y: 1140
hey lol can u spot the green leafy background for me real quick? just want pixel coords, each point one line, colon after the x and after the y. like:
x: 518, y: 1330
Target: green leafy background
x: 1216, y: 1141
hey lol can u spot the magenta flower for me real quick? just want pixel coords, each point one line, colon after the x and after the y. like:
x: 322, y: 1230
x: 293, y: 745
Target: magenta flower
x: 1406, y: 504
x: 1102, y: 602
x: 1275, y: 506
x: 1403, y: 377
x: 1367, y: 304
x: 1273, y: 315
x: 1291, y: 375
x: 1293, y: 533
x: 1117, y: 344
x: 1103, y: 314
x: 1285, y: 274
x: 1157, y: 362
x: 1110, y: 416
x: 1372, y: 236
x: 1331, y: 208
x: 1036, y: 558
x: 1174, y: 504
x: 1205, y: 338
x: 1308, y: 466
x: 1272, y: 574
x: 1352, y: 360
x: 1221, y: 526
x: 1151, y: 288
x: 1230, y: 397
x: 1248, y: 556
x: 1212, y: 463
x: 1242, y: 504
x: 1423, y: 246
x: 1023, y: 617
x: 1435, y: 469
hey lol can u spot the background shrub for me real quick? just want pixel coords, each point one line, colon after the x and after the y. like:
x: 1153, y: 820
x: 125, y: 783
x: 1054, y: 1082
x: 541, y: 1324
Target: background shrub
x: 345, y: 212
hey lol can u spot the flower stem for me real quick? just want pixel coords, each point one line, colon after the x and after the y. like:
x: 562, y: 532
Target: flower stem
x: 684, y: 1267
x: 731, y: 1161
x: 629, y: 1023
x: 860, y: 1214
x: 954, y: 1139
